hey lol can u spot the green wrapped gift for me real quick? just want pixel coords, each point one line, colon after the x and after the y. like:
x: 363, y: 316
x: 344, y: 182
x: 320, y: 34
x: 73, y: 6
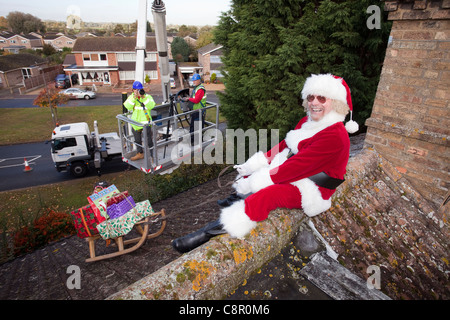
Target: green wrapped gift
x: 121, y: 226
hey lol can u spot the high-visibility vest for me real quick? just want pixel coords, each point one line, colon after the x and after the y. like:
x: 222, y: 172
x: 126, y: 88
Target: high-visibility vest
x: 141, y: 108
x: 202, y: 102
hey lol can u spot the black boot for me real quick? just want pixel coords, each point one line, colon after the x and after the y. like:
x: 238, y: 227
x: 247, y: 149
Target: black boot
x: 229, y: 201
x: 199, y: 237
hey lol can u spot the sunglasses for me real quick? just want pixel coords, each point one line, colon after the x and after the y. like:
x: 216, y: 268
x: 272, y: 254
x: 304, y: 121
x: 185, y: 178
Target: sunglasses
x: 311, y: 98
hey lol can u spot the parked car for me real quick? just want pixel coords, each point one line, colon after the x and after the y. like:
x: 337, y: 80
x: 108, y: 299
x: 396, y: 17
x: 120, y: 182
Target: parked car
x: 62, y: 81
x: 172, y: 83
x: 74, y: 78
x: 75, y: 93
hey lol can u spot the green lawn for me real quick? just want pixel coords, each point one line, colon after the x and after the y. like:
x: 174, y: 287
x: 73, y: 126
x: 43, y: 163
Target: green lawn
x: 23, y: 125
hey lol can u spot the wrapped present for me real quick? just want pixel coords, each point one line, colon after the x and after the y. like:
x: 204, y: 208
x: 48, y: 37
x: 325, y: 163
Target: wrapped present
x: 99, y: 200
x: 117, y: 210
x: 121, y: 226
x: 117, y: 198
x: 85, y: 222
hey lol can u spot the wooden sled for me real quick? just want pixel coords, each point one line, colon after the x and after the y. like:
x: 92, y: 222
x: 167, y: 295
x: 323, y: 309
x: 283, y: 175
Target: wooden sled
x: 141, y: 226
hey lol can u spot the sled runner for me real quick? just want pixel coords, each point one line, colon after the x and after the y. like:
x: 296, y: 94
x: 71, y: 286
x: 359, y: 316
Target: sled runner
x: 142, y: 227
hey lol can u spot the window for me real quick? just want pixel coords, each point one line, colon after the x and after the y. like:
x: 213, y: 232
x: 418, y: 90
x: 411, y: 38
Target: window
x: 86, y: 57
x: 153, y: 75
x: 126, y: 75
x: 218, y: 73
x: 126, y: 56
x: 59, y: 144
x: 103, y: 57
x: 26, y: 73
x: 215, y: 59
x: 151, y: 57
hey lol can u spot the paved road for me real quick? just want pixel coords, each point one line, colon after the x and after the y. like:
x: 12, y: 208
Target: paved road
x: 12, y: 175
x: 103, y: 99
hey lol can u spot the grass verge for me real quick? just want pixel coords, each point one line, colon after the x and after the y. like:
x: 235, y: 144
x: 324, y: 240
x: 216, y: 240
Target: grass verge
x: 25, y: 125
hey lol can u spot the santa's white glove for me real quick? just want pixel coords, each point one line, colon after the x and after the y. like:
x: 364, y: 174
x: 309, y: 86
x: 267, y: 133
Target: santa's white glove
x: 254, y: 163
x: 242, y: 186
x: 257, y: 181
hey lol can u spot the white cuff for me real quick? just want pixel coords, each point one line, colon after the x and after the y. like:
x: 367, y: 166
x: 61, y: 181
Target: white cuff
x: 235, y: 221
x: 260, y: 180
x: 254, y: 163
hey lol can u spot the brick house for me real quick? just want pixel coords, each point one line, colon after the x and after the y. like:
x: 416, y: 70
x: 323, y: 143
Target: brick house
x: 112, y: 60
x: 13, y: 42
x: 59, y: 41
x: 209, y: 57
x: 24, y: 71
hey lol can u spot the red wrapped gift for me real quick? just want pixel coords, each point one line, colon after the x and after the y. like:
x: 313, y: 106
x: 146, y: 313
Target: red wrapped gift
x: 117, y: 198
x: 85, y: 221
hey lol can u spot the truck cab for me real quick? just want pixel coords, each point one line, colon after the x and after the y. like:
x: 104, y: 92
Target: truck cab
x: 75, y: 148
x: 70, y: 148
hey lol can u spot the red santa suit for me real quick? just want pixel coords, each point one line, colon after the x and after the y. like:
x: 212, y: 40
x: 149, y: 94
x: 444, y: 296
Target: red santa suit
x: 278, y: 179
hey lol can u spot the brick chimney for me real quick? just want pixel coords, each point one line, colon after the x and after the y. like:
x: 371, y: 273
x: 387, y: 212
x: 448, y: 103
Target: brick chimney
x: 410, y: 121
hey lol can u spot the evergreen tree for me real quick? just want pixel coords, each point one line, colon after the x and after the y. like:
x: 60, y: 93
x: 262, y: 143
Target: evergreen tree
x: 272, y: 46
x: 180, y: 49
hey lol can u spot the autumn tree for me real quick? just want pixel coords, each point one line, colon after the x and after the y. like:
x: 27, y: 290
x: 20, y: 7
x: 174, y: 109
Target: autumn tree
x: 50, y: 98
x: 20, y: 22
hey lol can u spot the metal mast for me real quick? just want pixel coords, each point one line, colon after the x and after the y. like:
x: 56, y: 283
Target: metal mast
x: 159, y: 19
x: 141, y: 41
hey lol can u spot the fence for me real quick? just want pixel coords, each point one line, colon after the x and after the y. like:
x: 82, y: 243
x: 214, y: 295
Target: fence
x: 46, y: 76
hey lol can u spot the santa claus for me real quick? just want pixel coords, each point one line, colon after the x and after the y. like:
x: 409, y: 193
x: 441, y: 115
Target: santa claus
x: 302, y: 171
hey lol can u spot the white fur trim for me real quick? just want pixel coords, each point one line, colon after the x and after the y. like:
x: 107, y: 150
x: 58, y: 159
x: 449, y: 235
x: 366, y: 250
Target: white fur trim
x: 310, y: 128
x: 260, y: 180
x: 242, y: 186
x: 255, y: 162
x: 312, y: 201
x: 235, y: 221
x: 325, y: 85
x: 352, y: 126
x: 255, y: 182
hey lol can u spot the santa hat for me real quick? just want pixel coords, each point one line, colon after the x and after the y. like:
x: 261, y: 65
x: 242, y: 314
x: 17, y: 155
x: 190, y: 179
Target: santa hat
x: 332, y: 87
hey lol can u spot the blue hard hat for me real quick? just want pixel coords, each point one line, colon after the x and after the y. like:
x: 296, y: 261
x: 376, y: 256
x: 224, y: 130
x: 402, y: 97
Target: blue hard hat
x: 137, y: 85
x: 196, y: 76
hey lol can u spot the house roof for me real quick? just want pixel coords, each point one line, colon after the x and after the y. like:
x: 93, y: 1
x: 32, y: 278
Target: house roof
x: 111, y: 44
x: 7, y: 35
x: 20, y: 60
x: 56, y: 36
x: 69, y: 60
x: 209, y: 48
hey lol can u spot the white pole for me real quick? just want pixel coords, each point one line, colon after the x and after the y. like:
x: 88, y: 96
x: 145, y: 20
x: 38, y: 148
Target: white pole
x: 159, y: 18
x: 141, y: 41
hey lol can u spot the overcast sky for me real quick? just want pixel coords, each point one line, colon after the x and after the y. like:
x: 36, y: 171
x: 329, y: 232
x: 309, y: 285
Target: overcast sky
x: 188, y: 12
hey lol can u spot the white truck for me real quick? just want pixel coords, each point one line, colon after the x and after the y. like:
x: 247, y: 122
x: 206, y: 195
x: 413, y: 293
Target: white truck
x: 76, y: 149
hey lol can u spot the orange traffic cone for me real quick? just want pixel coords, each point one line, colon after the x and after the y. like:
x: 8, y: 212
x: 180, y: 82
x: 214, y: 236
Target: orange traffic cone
x: 27, y: 166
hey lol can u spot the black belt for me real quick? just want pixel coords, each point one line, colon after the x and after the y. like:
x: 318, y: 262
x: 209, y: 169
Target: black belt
x: 325, y: 181
x: 322, y: 179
